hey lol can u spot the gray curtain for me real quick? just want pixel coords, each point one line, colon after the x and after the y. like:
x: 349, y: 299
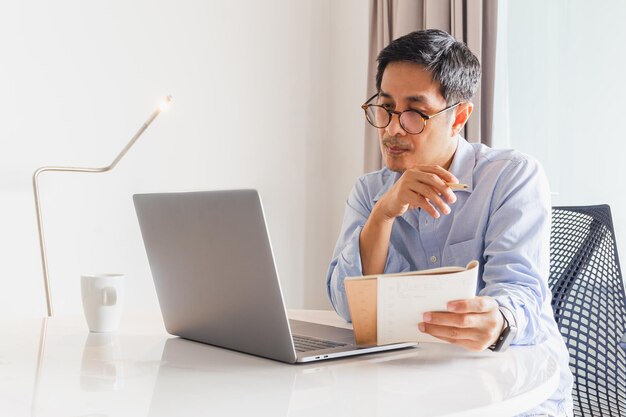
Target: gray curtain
x: 471, y: 21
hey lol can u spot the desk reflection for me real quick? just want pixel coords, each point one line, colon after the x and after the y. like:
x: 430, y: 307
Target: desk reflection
x: 151, y: 374
x: 210, y: 380
x: 91, y: 374
x: 102, y: 367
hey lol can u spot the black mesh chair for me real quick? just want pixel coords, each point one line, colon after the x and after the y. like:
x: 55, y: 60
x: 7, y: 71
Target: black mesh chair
x: 590, y: 306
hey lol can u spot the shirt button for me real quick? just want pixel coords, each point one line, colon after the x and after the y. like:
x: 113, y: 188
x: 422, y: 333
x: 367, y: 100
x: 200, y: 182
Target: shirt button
x: 433, y: 259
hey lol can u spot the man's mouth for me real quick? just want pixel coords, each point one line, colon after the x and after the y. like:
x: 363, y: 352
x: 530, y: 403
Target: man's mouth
x: 395, y: 150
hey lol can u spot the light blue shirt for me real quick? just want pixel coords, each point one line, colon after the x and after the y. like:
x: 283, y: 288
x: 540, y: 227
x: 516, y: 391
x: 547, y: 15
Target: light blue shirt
x: 502, y: 220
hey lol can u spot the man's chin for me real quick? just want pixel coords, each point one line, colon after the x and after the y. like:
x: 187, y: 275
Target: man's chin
x: 395, y: 165
x: 398, y: 170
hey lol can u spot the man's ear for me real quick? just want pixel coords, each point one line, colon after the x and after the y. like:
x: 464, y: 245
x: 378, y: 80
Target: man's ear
x: 463, y: 112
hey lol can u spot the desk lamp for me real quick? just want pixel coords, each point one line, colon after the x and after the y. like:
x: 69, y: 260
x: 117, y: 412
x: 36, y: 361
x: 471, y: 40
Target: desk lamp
x: 162, y: 106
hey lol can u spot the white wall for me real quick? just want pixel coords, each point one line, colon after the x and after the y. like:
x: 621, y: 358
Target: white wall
x: 335, y: 150
x: 266, y: 95
x: 566, y: 91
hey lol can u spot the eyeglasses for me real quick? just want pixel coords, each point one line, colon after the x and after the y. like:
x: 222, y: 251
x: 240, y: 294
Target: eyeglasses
x: 412, y: 121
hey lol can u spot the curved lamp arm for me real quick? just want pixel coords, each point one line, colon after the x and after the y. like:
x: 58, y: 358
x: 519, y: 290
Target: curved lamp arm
x: 123, y: 152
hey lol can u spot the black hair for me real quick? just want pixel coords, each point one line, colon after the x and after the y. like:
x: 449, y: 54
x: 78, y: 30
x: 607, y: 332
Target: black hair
x: 450, y: 62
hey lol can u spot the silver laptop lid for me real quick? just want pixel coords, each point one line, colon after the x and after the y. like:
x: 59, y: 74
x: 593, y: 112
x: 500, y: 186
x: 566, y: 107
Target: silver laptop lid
x: 214, y: 272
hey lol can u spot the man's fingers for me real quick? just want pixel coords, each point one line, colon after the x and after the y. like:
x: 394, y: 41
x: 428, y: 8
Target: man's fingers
x: 432, y: 197
x: 474, y: 323
x: 450, y: 332
x: 440, y: 185
x: 437, y: 178
x: 430, y: 209
x: 418, y: 200
x: 453, y: 319
x: 425, y: 187
x: 473, y: 305
x: 444, y: 174
x: 471, y: 338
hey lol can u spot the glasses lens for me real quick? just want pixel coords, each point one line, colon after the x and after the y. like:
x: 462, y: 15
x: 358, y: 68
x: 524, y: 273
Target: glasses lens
x: 412, y: 122
x: 377, y: 116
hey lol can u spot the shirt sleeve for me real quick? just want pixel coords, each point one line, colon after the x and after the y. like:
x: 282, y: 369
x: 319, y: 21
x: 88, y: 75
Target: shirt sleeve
x: 517, y: 248
x: 346, y: 260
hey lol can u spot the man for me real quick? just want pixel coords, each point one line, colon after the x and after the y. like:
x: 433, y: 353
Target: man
x: 407, y: 217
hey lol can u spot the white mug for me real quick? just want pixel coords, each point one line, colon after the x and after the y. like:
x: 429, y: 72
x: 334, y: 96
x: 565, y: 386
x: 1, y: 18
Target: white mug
x: 103, y: 298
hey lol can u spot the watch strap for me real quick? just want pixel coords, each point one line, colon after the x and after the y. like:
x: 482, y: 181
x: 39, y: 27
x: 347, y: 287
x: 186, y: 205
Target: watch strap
x: 508, y: 332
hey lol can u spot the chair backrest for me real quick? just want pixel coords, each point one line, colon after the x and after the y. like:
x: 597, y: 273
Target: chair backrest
x: 590, y: 306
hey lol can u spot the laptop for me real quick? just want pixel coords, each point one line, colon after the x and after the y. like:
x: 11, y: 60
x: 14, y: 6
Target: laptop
x: 216, y: 280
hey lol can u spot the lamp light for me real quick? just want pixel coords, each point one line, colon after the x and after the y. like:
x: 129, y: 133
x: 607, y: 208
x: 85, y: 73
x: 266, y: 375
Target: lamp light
x: 161, y: 107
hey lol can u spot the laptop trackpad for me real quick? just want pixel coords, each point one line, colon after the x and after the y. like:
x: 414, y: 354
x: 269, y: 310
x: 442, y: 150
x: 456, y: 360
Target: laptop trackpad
x: 322, y: 331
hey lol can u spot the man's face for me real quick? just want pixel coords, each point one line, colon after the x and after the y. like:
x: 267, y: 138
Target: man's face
x: 405, y: 86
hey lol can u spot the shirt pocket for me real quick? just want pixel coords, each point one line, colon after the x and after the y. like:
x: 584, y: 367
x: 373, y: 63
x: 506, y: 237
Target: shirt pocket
x: 462, y: 253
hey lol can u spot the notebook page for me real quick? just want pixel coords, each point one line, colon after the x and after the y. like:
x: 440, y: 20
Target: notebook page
x: 403, y: 300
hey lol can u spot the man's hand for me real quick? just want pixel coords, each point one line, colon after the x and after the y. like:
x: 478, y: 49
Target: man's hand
x: 424, y: 187
x: 421, y: 186
x: 474, y: 324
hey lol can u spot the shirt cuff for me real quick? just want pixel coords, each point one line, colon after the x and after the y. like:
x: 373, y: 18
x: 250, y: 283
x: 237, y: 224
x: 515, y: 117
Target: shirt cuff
x: 527, y: 333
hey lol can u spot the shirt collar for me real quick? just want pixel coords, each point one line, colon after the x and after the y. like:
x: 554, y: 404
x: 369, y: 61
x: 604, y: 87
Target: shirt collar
x: 462, y: 168
x: 389, y: 179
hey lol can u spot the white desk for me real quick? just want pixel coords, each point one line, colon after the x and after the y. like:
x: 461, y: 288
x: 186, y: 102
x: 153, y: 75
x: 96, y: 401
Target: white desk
x: 142, y: 371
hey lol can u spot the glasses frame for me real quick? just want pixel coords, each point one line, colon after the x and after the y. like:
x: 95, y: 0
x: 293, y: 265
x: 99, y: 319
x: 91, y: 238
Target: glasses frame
x: 424, y: 117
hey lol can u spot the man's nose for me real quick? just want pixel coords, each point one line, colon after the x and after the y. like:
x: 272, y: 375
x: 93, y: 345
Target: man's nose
x: 394, y: 128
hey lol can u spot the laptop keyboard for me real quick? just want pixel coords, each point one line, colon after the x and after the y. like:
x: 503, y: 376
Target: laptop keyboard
x: 306, y: 344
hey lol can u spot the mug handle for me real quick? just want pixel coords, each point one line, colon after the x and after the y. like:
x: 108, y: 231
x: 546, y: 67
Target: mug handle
x: 109, y: 296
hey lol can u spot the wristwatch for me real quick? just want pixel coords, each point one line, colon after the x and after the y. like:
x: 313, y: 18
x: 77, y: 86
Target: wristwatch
x: 508, y: 331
